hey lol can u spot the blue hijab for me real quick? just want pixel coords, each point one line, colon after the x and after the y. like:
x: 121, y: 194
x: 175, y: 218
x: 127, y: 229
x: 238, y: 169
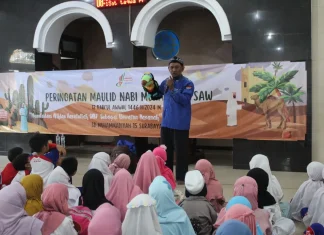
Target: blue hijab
x: 316, y: 228
x: 233, y: 227
x: 173, y: 219
x: 238, y: 200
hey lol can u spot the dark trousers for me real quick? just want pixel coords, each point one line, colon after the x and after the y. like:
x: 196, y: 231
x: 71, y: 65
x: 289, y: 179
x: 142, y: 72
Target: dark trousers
x: 178, y: 141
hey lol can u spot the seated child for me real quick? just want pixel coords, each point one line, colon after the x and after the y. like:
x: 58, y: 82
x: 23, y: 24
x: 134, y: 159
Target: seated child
x: 45, y: 157
x: 61, y: 174
x: 22, y: 165
x: 200, y: 211
x: 9, y: 172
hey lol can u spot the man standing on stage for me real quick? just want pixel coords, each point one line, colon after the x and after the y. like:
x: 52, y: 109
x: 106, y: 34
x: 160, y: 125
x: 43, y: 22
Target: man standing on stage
x: 177, y: 91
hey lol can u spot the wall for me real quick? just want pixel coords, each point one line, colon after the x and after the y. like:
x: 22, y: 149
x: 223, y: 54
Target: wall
x: 200, y: 40
x: 95, y: 53
x: 318, y: 81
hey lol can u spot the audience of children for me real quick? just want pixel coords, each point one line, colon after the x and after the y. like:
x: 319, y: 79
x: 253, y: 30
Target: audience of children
x: 199, y: 210
x: 123, y: 161
x: 141, y: 217
x: 214, y: 187
x: 122, y: 191
x: 9, y: 172
x: 56, y: 211
x: 109, y: 191
x: 62, y: 174
x: 146, y: 171
x: 22, y: 165
x: 172, y: 218
x: 33, y: 185
x: 101, y: 162
x: 306, y: 191
x: 13, y: 218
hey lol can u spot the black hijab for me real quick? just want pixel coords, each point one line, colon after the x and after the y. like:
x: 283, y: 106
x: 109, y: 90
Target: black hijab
x: 93, y: 189
x: 262, y: 179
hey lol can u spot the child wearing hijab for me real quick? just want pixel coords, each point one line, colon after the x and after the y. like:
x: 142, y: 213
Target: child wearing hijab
x: 45, y: 157
x: 245, y: 215
x: 214, y: 187
x: 56, y: 212
x: 247, y: 188
x: 147, y: 169
x: 315, y: 229
x: 274, y: 187
x: 316, y: 207
x: 9, y: 172
x: 231, y: 227
x: 93, y: 190
x: 122, y: 191
x: 201, y: 213
x: 101, y: 162
x: 22, y: 166
x: 161, y: 158
x: 121, y: 162
x: 173, y: 219
x: 33, y: 184
x: 284, y: 226
x: 13, y: 218
x: 93, y: 196
x: 306, y: 191
x: 141, y: 217
x: 61, y: 174
x: 105, y: 221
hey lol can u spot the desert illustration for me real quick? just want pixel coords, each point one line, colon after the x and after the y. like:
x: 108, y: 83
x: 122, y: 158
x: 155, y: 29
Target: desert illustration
x: 260, y: 101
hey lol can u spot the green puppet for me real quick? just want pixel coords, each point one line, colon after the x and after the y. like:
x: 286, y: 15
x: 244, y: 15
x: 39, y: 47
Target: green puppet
x: 151, y: 87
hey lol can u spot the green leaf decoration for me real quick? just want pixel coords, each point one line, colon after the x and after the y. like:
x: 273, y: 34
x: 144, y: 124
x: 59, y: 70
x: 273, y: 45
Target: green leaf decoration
x: 287, y: 77
x: 264, y: 75
x: 256, y: 88
x: 264, y: 93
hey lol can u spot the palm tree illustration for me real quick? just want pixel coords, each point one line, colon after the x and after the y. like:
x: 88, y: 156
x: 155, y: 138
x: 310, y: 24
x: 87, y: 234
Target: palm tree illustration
x: 273, y: 83
x: 291, y: 95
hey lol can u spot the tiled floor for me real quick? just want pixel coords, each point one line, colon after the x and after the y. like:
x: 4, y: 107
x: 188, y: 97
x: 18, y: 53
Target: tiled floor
x: 225, y: 174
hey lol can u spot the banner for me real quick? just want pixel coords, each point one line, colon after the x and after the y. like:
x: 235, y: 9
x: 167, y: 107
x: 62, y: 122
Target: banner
x: 251, y: 101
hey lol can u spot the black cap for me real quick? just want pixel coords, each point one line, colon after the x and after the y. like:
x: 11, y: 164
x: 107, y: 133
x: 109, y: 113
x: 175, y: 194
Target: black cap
x: 176, y: 59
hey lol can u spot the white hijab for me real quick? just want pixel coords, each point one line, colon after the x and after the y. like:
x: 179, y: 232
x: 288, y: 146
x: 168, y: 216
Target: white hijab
x: 141, y: 217
x: 274, y: 188
x: 316, y: 208
x: 307, y: 190
x: 101, y: 161
x: 58, y: 175
x: 284, y: 226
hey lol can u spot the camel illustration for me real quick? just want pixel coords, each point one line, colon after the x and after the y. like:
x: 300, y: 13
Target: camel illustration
x: 269, y: 106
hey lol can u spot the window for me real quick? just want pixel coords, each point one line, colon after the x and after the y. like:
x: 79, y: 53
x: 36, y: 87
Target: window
x: 245, y: 84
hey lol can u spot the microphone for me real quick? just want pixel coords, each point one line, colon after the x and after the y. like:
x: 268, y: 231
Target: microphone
x: 167, y: 87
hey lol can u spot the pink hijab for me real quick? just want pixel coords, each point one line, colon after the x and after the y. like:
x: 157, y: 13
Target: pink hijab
x: 244, y: 214
x: 122, y: 191
x: 214, y: 187
x: 55, y: 202
x: 13, y: 217
x: 122, y: 161
x: 147, y: 169
x: 161, y: 157
x: 105, y: 221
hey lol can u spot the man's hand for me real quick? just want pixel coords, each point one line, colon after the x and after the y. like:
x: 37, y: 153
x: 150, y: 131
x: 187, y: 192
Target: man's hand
x: 61, y: 150
x: 170, y: 83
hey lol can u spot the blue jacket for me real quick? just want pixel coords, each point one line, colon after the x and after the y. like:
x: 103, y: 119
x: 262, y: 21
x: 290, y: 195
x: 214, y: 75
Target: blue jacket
x: 177, y: 104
